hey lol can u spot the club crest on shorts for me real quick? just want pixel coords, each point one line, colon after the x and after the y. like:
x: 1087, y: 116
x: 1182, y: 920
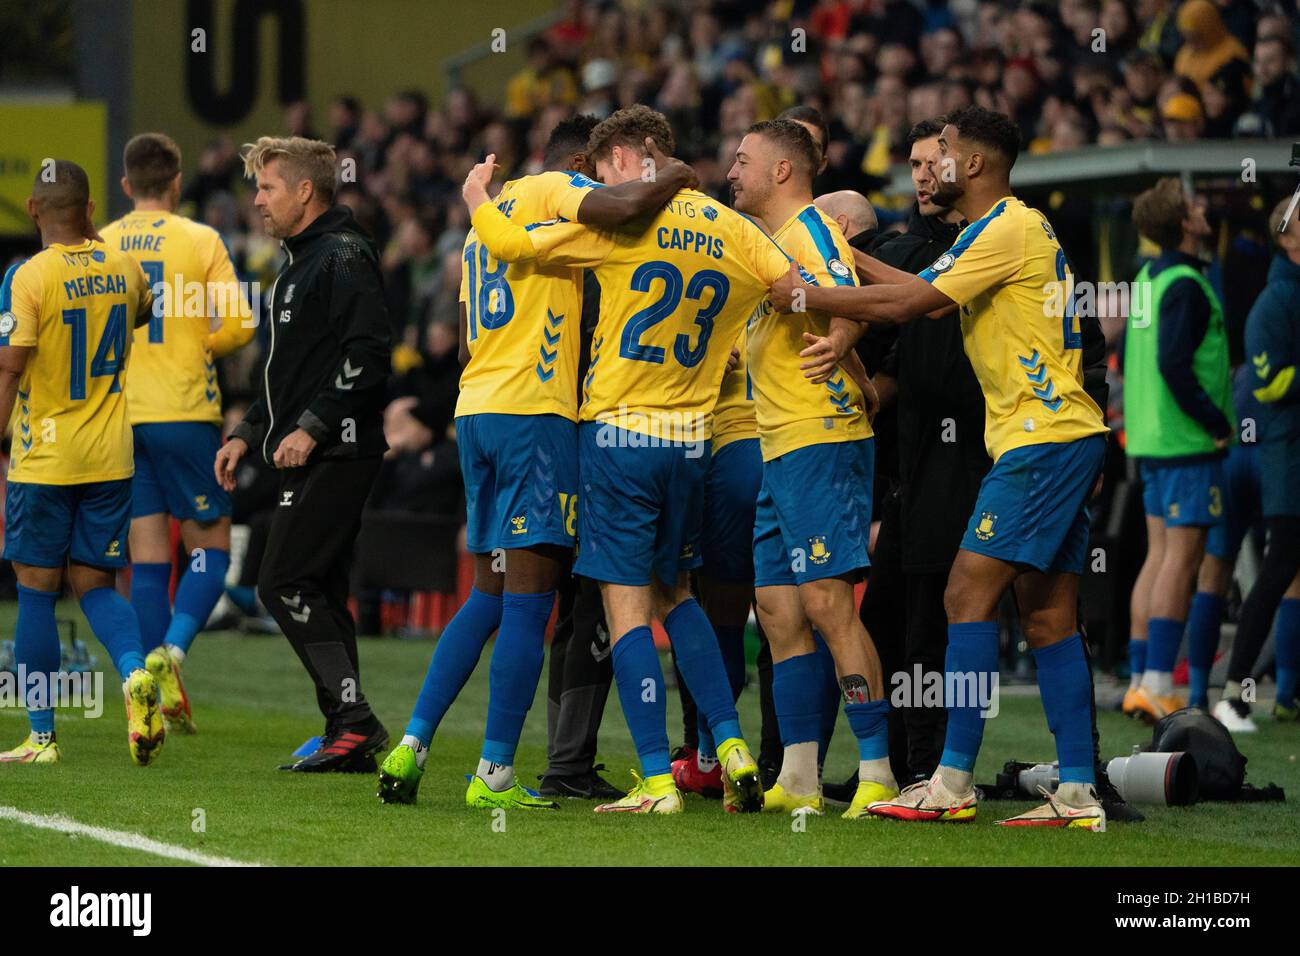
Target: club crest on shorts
x: 519, y: 524
x: 818, y: 553
x: 114, y: 549
x: 201, y: 502
x: 984, y: 530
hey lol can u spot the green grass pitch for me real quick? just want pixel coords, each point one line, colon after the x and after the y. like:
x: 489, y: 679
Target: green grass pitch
x: 254, y: 705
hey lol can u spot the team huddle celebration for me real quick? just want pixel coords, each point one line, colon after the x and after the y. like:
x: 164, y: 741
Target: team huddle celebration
x: 754, y: 388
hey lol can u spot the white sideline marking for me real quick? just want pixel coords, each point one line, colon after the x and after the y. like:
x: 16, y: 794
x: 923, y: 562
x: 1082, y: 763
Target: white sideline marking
x: 122, y: 838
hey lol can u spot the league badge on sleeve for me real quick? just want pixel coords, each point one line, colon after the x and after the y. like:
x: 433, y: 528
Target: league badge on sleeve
x: 838, y: 268
x: 7, y: 323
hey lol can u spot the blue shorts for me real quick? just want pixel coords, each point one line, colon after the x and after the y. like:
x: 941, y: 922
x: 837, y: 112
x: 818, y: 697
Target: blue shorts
x: 45, y: 525
x: 521, y: 480
x: 814, y: 513
x: 1032, y: 507
x: 173, y: 471
x: 642, y: 506
x: 1241, y: 502
x: 1185, y: 494
x: 1279, y: 477
x: 730, y: 499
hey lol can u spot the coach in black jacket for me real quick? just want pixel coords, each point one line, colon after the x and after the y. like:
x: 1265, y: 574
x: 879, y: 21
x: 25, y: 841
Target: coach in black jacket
x: 319, y: 419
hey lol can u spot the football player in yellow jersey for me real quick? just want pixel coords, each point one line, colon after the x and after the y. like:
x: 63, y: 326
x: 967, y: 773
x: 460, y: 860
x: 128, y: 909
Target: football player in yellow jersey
x: 1007, y: 274
x: 673, y: 302
x: 175, y: 408
x: 813, y: 520
x: 517, y: 436
x: 65, y: 321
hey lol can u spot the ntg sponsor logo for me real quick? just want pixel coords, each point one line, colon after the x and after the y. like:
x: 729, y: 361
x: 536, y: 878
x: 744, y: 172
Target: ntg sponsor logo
x: 919, y: 688
x: 78, y: 690
x: 75, y: 908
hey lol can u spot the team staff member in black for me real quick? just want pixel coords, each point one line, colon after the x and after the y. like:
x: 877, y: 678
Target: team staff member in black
x: 319, y: 419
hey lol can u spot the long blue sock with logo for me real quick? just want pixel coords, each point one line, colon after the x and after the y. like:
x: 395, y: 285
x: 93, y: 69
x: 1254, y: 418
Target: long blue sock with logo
x: 36, y: 651
x: 640, y: 680
x: 972, y: 653
x: 1286, y: 642
x: 869, y: 721
x: 197, y: 594
x: 700, y: 661
x: 114, y: 622
x: 1066, y: 689
x: 796, y: 694
x: 1164, y: 635
x: 151, y: 600
x: 828, y: 693
x: 1202, y: 642
x: 454, y: 659
x: 514, y: 672
x: 731, y: 643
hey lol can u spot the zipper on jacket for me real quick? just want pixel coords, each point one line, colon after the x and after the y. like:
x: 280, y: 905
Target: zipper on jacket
x: 266, y: 376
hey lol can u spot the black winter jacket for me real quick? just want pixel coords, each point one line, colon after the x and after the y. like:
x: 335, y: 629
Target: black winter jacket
x: 329, y: 359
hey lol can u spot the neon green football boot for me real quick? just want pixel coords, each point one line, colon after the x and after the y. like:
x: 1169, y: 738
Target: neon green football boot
x: 740, y: 771
x: 29, y: 751
x: 517, y: 797
x: 399, y: 776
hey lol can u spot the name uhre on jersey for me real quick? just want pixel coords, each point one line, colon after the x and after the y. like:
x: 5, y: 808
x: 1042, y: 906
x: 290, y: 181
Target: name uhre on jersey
x: 201, y: 299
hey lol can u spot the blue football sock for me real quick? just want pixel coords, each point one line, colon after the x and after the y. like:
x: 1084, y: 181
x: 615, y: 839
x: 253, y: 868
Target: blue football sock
x: 114, y: 622
x: 454, y: 659
x: 972, y: 650
x: 700, y: 661
x: 1202, y: 642
x: 828, y: 694
x: 1066, y: 689
x: 196, y: 596
x: 244, y: 598
x: 640, y: 679
x: 36, y: 651
x: 796, y: 695
x: 1286, y: 640
x: 1137, y: 656
x: 514, y: 672
x: 152, y: 601
x: 870, y: 723
x: 731, y: 642
x: 1164, y: 636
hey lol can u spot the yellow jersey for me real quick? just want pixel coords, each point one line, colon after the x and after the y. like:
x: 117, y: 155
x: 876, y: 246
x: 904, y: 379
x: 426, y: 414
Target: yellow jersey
x: 793, y: 412
x: 733, y: 416
x: 673, y: 301
x: 74, y: 307
x: 202, y: 313
x: 522, y: 319
x: 1008, y: 274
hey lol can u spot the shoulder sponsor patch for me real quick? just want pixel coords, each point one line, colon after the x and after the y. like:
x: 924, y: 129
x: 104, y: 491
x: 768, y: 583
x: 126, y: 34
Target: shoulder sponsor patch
x: 943, y: 263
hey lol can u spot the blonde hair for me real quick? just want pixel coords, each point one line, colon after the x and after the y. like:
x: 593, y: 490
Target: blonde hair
x: 1159, y: 212
x: 308, y: 159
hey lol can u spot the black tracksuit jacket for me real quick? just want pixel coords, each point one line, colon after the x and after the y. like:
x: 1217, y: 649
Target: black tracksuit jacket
x: 329, y: 359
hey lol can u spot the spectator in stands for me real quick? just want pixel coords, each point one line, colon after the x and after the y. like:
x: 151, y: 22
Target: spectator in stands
x: 1182, y: 118
x: 541, y: 83
x: 1209, y: 52
x: 1276, y: 109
